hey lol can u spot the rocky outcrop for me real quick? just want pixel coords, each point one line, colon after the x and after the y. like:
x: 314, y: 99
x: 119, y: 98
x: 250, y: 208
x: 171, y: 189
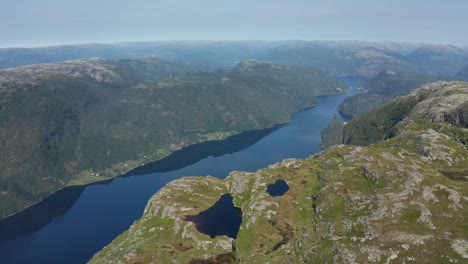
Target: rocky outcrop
x: 94, y: 70
x: 439, y: 101
x: 400, y: 200
x: 447, y: 101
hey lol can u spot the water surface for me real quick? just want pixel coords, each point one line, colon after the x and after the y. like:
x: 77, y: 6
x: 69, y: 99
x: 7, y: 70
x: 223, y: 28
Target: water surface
x: 278, y: 188
x: 73, y: 224
x: 223, y: 218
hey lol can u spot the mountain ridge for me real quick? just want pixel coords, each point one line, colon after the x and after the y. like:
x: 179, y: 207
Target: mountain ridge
x: 89, y: 120
x: 339, y: 58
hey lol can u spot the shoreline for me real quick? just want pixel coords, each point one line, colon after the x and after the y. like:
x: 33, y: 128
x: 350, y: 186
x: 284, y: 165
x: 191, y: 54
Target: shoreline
x: 127, y: 174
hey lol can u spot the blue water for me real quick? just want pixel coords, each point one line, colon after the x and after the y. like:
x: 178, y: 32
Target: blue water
x: 278, y: 188
x: 72, y: 225
x: 223, y: 218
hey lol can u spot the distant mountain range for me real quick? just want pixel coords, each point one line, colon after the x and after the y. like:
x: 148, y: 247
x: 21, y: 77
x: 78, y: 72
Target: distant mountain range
x: 463, y: 74
x: 77, y: 114
x: 339, y: 58
x: 383, y: 87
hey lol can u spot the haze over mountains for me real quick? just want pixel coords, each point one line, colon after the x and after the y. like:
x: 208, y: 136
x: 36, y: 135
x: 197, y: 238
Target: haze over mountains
x: 339, y: 58
x: 91, y: 119
x: 82, y: 121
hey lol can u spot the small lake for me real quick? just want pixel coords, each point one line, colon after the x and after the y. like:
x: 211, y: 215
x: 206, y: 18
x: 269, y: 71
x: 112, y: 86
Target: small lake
x: 76, y: 222
x: 220, y: 219
x: 278, y: 188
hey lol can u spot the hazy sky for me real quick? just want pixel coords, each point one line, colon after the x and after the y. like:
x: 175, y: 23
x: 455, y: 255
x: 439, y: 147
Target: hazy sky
x: 46, y: 22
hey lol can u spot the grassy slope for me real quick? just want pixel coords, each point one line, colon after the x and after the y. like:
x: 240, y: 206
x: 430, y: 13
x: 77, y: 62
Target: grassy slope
x: 83, y: 121
x: 401, y: 199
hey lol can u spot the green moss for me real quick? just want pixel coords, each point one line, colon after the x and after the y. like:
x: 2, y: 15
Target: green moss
x: 346, y: 203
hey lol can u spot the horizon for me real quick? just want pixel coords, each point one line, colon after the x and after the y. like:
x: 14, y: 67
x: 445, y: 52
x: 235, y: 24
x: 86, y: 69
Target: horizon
x: 110, y: 43
x: 30, y: 23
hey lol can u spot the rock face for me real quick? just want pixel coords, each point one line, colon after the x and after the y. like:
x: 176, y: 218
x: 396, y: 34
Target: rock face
x: 440, y: 101
x: 400, y: 200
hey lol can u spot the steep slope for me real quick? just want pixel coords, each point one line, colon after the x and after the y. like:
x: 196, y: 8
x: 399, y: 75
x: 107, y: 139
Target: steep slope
x: 444, y: 101
x: 361, y: 103
x: 82, y: 121
x: 382, y: 88
x: 404, y: 199
x: 333, y: 134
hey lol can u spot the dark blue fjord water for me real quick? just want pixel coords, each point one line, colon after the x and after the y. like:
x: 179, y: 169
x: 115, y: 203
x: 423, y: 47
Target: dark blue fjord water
x: 76, y: 222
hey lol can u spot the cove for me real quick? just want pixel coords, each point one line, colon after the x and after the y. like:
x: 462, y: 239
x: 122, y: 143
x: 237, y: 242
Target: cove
x: 76, y: 222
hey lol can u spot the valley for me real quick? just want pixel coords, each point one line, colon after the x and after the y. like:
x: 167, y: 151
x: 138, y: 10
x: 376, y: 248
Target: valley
x: 402, y: 198
x: 84, y: 121
x: 68, y: 128
x: 93, y: 216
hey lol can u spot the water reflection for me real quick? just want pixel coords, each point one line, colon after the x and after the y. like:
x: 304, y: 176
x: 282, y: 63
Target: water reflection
x: 56, y: 205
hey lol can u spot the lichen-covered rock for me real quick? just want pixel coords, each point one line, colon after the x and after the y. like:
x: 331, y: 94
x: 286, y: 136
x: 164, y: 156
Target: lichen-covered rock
x: 401, y: 200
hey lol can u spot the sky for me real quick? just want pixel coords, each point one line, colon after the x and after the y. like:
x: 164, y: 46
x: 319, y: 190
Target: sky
x: 30, y: 23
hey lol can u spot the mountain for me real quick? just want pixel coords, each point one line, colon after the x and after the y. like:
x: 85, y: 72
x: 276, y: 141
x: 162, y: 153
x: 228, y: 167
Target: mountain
x: 439, y: 59
x: 333, y: 134
x: 365, y: 61
x: 339, y: 58
x: 206, y: 54
x: 82, y: 121
x: 369, y: 61
x: 382, y: 88
x: 435, y: 102
x: 361, y: 103
x: 402, y: 199
x: 463, y: 74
